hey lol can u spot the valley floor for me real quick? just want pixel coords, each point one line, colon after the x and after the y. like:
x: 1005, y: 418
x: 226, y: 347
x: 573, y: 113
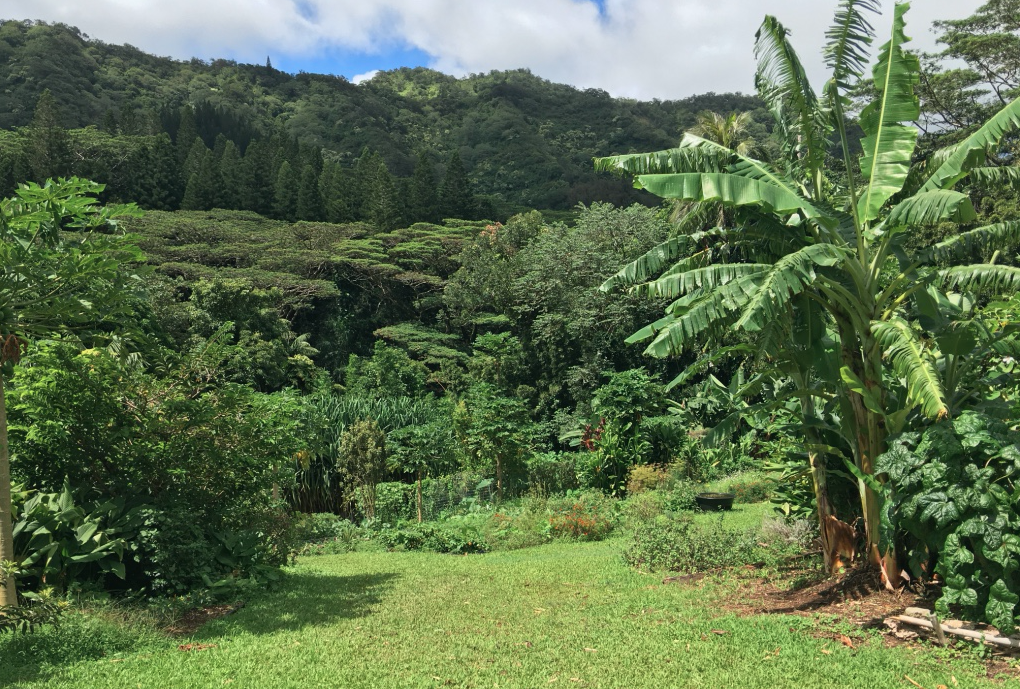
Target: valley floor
x: 560, y: 615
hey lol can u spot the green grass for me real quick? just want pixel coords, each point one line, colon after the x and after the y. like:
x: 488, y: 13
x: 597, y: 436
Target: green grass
x: 530, y: 618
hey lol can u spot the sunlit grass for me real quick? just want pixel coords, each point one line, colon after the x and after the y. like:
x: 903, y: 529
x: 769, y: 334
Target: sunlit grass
x: 556, y: 615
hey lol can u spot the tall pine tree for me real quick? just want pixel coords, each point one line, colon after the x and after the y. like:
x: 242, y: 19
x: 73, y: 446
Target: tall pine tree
x: 309, y: 201
x: 423, y: 198
x: 49, y: 147
x: 456, y: 199
x: 285, y: 195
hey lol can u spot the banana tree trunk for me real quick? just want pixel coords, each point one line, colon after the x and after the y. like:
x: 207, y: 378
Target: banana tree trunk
x: 8, y: 589
x: 819, y: 482
x: 871, y: 438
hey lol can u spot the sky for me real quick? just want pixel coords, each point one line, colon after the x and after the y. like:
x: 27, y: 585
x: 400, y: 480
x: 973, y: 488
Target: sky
x: 644, y: 49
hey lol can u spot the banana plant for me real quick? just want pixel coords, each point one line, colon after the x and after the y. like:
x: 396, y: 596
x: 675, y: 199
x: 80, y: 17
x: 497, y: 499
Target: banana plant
x: 811, y: 257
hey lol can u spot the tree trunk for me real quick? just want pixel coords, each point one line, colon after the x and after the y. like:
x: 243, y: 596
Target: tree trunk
x: 418, y: 497
x: 819, y: 481
x: 499, y: 479
x: 8, y: 590
x: 871, y: 437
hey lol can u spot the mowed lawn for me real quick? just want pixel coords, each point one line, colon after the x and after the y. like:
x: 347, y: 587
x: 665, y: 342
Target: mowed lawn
x: 560, y: 615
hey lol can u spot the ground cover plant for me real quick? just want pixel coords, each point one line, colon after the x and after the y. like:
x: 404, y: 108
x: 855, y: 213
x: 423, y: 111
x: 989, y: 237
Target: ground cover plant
x: 569, y: 614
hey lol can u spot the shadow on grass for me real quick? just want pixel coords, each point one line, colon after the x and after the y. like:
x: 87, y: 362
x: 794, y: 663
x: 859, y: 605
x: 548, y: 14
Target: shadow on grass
x: 300, y: 600
x: 306, y: 599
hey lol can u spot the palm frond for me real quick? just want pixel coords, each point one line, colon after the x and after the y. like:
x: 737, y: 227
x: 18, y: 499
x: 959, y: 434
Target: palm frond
x: 709, y: 313
x: 888, y: 144
x: 912, y: 362
x: 673, y: 160
x: 991, y: 177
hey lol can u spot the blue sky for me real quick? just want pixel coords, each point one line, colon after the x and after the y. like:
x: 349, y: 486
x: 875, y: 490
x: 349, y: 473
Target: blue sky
x: 633, y: 48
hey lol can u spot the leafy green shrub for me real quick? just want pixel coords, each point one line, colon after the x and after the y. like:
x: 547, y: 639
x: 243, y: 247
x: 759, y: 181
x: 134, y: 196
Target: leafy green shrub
x: 552, y: 473
x: 955, y: 494
x: 40, y: 609
x: 644, y: 477
x: 587, y: 516
x: 318, y: 527
x: 528, y: 527
x: 679, y: 498
x: 436, y: 538
x: 59, y: 537
x: 642, y: 508
x: 172, y: 552
x: 394, y: 502
x: 752, y: 490
x: 324, y: 534
x: 678, y: 544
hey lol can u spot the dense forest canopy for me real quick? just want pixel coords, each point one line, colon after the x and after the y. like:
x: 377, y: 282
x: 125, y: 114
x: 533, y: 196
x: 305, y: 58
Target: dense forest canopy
x: 524, y: 141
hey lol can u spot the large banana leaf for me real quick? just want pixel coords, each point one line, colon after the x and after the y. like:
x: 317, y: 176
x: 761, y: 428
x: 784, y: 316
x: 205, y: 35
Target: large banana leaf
x: 650, y: 264
x: 996, y: 176
x: 931, y: 207
x: 684, y: 158
x: 729, y: 190
x: 889, y: 145
x: 849, y: 37
x: 962, y: 160
x: 985, y: 238
x: 783, y: 84
x: 982, y: 276
x: 711, y: 312
x: 786, y: 278
x: 913, y: 363
x: 677, y: 284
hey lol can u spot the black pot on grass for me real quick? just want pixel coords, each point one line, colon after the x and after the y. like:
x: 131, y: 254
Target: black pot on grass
x: 713, y: 502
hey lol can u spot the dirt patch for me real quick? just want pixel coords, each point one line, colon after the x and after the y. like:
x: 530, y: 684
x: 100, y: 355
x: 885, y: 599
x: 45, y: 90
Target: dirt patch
x: 856, y: 597
x: 191, y: 621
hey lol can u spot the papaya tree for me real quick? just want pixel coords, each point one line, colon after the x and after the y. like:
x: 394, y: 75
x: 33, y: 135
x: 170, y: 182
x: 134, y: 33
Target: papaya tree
x: 814, y: 267
x: 61, y: 273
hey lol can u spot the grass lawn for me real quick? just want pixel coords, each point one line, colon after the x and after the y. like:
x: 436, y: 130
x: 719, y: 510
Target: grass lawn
x: 557, y: 615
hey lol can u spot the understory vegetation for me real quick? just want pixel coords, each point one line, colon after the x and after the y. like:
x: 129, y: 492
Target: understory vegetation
x: 248, y: 366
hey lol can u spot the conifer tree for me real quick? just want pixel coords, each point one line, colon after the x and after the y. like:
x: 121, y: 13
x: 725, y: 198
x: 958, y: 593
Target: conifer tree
x: 204, y: 185
x: 187, y: 132
x: 335, y: 183
x: 258, y: 186
x: 456, y: 199
x: 385, y: 212
x: 286, y: 193
x: 423, y: 197
x: 49, y: 147
x: 309, y: 201
x: 231, y: 175
x: 155, y: 178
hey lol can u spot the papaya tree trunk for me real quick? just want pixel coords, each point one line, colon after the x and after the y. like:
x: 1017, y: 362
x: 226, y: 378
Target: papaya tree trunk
x: 417, y: 497
x: 8, y: 589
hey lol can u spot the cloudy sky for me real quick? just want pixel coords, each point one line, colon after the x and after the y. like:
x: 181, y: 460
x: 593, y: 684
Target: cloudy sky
x: 635, y: 48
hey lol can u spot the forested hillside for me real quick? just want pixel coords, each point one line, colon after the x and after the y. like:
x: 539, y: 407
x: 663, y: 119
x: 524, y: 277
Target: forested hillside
x: 523, y: 141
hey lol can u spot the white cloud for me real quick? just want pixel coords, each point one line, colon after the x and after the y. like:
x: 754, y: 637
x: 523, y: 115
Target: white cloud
x: 367, y: 76
x: 634, y: 48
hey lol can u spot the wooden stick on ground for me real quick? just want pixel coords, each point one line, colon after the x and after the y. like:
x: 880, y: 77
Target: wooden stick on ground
x: 966, y: 633
x: 938, y: 628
